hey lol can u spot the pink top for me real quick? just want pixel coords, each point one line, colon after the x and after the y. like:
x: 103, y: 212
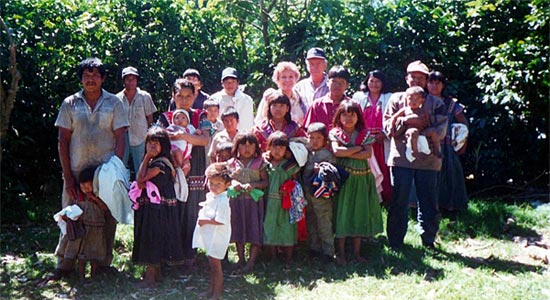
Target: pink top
x: 322, y: 110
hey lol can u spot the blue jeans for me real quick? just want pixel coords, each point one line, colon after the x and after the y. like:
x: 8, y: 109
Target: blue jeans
x: 428, y: 211
x: 136, y: 152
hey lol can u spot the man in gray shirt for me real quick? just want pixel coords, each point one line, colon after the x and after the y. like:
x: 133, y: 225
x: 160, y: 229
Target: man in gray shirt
x: 92, y: 128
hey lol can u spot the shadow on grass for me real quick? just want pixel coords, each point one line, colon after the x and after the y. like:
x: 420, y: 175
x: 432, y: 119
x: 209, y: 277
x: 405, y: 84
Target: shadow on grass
x: 27, y: 258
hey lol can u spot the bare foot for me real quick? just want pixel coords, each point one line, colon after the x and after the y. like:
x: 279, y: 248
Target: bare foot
x: 215, y: 297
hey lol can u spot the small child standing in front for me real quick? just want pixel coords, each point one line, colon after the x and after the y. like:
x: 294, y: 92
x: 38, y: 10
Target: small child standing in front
x: 90, y: 245
x: 247, y: 209
x: 181, y: 149
x: 158, y: 237
x: 357, y: 212
x: 278, y: 231
x: 213, y: 229
x: 319, y: 214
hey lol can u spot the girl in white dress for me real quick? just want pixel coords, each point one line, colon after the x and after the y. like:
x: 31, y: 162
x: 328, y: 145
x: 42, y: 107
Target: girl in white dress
x: 213, y: 229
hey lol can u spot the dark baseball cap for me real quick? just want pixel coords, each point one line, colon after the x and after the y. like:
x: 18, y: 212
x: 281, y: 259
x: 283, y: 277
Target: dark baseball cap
x: 230, y: 72
x: 316, y: 53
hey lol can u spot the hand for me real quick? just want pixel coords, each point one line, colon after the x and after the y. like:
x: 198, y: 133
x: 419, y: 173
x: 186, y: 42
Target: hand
x: 413, y: 121
x: 203, y: 222
x: 70, y: 188
x: 379, y: 138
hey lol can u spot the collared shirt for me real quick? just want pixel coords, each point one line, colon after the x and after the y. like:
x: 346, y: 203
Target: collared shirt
x: 322, y: 110
x: 92, y: 132
x: 242, y: 102
x: 141, y: 107
x: 308, y: 93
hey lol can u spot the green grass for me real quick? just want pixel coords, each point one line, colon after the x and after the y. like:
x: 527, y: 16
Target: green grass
x: 479, y: 256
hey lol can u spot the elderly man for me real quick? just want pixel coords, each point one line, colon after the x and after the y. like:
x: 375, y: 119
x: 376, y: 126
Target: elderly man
x: 231, y: 95
x: 315, y: 86
x: 92, y: 128
x: 422, y: 172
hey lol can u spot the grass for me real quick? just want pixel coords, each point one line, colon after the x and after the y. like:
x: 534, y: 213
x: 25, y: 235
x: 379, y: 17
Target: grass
x: 488, y: 253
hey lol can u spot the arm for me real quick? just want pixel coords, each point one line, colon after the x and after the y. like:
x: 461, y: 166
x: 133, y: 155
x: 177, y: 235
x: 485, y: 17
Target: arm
x: 149, y: 119
x: 144, y: 172
x: 120, y: 142
x: 195, y: 140
x: 342, y: 151
x: 364, y: 154
x: 208, y: 222
x: 461, y: 118
x: 64, y: 141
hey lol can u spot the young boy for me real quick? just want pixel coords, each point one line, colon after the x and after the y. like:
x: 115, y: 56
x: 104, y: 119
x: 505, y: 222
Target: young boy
x: 87, y: 244
x: 415, y: 98
x: 210, y: 123
x: 230, y: 119
x: 319, y: 214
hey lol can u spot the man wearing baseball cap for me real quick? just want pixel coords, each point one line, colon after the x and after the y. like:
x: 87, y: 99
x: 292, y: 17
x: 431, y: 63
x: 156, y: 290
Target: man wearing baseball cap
x: 193, y: 76
x: 422, y: 172
x: 140, y: 108
x: 315, y: 86
x: 232, y: 96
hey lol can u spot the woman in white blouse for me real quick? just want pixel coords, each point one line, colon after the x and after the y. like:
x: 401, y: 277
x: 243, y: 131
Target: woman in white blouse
x: 285, y: 75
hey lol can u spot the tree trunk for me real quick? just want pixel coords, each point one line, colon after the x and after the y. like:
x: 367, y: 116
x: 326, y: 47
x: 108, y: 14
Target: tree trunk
x: 8, y: 99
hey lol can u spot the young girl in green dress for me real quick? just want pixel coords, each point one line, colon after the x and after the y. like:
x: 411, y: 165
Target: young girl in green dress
x: 278, y: 231
x: 357, y: 212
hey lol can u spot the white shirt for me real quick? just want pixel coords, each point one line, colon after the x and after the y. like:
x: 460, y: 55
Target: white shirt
x: 242, y: 102
x: 214, y: 238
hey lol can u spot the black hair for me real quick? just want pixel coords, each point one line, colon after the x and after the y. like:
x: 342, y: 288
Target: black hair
x: 87, y: 174
x: 181, y: 84
x: 278, y: 138
x: 210, y: 103
x: 338, y: 72
x: 242, y: 138
x: 230, y: 111
x: 283, y: 99
x: 437, y: 76
x: 318, y: 127
x: 90, y: 64
x: 349, y: 107
x: 157, y: 133
x: 376, y: 74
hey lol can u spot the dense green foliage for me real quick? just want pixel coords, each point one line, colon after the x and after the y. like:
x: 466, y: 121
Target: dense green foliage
x: 495, y: 55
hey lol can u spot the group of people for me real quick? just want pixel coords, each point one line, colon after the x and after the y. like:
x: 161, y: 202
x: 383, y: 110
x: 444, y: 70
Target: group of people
x: 311, y: 164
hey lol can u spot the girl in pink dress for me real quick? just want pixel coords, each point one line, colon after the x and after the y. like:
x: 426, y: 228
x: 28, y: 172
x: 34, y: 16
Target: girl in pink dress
x: 373, y: 102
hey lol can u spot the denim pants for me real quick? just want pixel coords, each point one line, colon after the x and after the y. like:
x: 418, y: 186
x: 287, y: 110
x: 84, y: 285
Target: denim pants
x: 428, y: 212
x: 137, y: 152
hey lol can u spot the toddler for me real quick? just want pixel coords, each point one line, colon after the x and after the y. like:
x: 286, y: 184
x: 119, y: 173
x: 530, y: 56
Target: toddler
x: 319, y: 215
x: 86, y: 240
x: 181, y: 149
x: 415, y: 98
x: 213, y: 229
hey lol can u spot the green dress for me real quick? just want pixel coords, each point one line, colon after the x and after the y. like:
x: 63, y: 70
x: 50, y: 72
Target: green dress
x: 357, y: 211
x: 277, y: 228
